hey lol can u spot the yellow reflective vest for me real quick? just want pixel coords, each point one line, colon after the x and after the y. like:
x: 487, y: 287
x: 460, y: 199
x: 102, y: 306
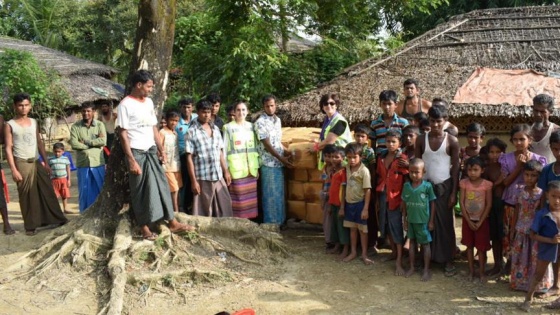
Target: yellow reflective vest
x: 241, y: 149
x: 342, y: 140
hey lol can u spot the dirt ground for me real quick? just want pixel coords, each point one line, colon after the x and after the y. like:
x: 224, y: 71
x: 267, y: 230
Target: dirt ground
x: 308, y: 282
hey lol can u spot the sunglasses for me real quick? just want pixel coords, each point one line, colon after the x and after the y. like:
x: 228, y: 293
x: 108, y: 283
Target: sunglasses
x: 329, y: 104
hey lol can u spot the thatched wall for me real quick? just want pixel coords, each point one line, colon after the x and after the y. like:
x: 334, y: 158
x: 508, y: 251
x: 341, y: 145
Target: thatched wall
x: 442, y: 60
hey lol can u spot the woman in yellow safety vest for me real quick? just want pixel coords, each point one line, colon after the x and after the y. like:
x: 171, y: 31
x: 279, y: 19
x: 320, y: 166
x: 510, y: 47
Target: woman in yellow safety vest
x: 335, y: 128
x: 243, y: 163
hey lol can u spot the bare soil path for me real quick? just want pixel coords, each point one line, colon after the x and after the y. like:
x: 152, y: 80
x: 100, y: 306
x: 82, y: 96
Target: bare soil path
x: 308, y: 282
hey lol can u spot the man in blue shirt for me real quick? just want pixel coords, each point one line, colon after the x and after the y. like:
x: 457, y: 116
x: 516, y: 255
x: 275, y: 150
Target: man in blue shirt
x: 185, y: 121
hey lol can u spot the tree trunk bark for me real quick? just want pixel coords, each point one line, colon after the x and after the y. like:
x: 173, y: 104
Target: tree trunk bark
x: 154, y: 44
x: 284, y: 34
x: 153, y: 49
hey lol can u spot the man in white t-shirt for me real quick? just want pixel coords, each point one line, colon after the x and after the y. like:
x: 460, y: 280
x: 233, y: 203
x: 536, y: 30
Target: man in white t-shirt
x: 149, y: 192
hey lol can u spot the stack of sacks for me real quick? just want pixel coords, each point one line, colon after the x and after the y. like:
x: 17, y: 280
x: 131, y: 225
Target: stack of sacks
x: 304, y: 181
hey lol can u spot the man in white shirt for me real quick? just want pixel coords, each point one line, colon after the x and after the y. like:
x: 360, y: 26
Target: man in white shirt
x: 149, y: 192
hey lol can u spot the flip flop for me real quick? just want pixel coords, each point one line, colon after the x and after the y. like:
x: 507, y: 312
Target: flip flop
x: 30, y: 232
x: 450, y: 271
x: 151, y: 237
x: 10, y: 232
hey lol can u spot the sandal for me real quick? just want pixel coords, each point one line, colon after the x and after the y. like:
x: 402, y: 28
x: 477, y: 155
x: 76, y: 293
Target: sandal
x: 450, y: 271
x: 9, y: 231
x: 151, y: 237
x: 30, y: 232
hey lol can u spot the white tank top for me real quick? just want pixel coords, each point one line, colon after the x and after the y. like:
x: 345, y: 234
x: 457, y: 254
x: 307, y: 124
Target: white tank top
x: 543, y: 147
x: 24, y: 140
x: 438, y: 163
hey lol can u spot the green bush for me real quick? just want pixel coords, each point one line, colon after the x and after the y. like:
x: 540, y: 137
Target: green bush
x: 20, y: 72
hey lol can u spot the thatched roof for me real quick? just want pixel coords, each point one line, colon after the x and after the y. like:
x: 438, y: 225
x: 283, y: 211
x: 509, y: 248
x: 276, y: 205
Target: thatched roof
x: 85, y: 81
x: 442, y: 60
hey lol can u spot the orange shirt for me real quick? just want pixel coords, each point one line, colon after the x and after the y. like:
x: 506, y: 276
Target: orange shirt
x: 391, y: 179
x: 337, y: 180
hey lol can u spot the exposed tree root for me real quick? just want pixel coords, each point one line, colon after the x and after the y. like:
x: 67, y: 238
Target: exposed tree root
x: 221, y: 248
x: 167, y: 261
x: 117, y: 265
x: 240, y: 229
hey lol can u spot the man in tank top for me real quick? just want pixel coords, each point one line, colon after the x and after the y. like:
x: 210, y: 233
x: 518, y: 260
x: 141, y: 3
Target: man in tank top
x: 543, y: 107
x: 37, y: 200
x: 412, y: 102
x: 440, y: 152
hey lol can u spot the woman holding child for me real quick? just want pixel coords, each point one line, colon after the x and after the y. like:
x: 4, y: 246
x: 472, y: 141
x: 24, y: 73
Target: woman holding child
x: 335, y: 128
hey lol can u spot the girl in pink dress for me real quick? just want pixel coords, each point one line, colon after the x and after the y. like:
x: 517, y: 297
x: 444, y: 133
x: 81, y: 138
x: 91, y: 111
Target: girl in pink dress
x: 523, y: 249
x: 512, y: 167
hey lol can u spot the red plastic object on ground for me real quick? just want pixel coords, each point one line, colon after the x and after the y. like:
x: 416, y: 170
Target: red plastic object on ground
x: 246, y: 311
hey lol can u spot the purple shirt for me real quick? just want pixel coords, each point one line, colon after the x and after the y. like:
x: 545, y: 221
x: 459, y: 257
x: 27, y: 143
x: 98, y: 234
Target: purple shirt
x: 508, y: 163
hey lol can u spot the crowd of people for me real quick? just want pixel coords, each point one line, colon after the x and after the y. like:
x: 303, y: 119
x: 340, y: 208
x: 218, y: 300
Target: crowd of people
x: 403, y: 186
x: 190, y: 162
x: 396, y: 181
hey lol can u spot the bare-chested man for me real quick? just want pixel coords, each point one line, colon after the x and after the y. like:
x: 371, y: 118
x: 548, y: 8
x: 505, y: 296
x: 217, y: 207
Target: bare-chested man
x: 543, y: 107
x: 440, y: 152
x: 412, y: 102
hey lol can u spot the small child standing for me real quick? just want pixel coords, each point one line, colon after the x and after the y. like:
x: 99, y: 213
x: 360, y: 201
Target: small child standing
x: 512, y: 168
x: 60, y: 175
x: 418, y: 197
x: 545, y: 230
x: 339, y: 234
x: 475, y: 135
x: 389, y: 187
x: 440, y: 152
x: 326, y: 175
x: 361, y: 136
x: 172, y: 167
x: 354, y: 209
x: 476, y: 201
x: 550, y: 173
x: 493, y: 172
x: 523, y: 249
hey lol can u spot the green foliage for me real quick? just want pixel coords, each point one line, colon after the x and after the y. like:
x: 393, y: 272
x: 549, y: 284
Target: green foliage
x: 103, y: 31
x: 40, y: 21
x: 20, y: 72
x: 237, y: 61
x: 394, y: 42
x: 97, y: 30
x: 234, y: 48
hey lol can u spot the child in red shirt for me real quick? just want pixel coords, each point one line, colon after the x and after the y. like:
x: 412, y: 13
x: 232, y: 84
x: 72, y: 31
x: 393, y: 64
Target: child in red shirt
x: 339, y: 234
x: 390, y: 180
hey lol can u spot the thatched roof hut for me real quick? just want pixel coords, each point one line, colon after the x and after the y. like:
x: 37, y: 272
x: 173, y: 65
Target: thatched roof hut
x: 442, y: 60
x: 85, y: 81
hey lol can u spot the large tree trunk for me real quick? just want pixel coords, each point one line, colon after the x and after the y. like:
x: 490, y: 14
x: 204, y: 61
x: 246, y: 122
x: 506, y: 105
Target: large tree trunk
x: 153, y: 50
x: 154, y: 43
